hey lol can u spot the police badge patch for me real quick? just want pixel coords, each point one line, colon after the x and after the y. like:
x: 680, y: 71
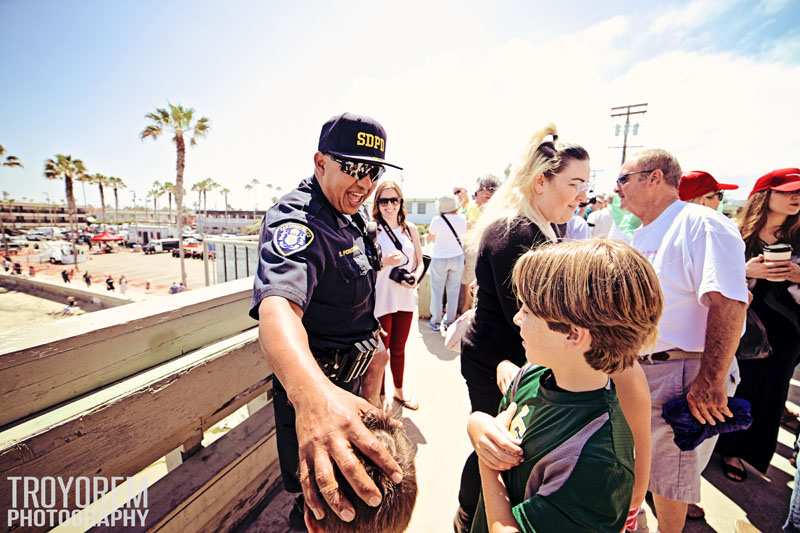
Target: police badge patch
x: 292, y: 237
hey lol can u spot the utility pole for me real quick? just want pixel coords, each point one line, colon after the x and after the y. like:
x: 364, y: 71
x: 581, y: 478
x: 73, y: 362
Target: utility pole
x: 595, y: 172
x: 626, y: 111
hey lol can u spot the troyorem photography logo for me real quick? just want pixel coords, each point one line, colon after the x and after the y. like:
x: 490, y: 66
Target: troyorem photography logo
x: 52, y: 500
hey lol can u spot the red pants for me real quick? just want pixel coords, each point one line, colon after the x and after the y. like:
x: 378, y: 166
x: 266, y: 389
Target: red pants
x: 396, y: 325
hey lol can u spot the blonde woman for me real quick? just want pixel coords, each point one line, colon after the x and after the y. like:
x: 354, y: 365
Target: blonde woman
x: 546, y: 190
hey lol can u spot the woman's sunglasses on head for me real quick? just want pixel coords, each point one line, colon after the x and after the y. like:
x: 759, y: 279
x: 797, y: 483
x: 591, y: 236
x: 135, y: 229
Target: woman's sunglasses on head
x: 359, y: 169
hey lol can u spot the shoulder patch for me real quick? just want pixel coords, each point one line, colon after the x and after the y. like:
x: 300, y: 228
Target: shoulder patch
x: 292, y: 237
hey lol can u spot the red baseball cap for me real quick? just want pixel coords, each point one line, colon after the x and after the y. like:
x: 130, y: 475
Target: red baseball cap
x: 783, y: 180
x: 699, y: 182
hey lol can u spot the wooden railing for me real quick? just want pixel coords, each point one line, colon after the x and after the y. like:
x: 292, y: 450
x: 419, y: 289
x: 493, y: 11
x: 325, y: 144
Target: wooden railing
x: 109, y: 393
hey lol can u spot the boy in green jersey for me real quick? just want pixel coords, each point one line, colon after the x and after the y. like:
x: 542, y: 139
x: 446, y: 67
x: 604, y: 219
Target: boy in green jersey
x: 559, y: 456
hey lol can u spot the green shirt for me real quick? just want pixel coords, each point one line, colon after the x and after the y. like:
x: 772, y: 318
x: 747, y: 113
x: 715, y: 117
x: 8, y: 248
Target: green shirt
x: 578, y: 469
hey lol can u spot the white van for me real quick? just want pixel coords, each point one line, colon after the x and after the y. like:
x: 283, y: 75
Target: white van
x: 60, y: 252
x: 157, y: 246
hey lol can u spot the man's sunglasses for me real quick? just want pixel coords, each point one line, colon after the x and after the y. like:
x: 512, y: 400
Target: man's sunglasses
x: 711, y: 196
x: 359, y: 169
x: 387, y: 201
x: 490, y: 188
x: 622, y: 180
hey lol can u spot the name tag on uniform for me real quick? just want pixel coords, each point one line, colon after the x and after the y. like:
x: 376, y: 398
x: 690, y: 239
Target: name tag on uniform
x: 292, y: 237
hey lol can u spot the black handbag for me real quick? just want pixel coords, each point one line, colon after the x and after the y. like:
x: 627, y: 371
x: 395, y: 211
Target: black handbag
x: 754, y: 344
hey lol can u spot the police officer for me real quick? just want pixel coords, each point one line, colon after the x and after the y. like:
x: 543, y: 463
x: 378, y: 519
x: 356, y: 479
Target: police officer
x: 314, y: 298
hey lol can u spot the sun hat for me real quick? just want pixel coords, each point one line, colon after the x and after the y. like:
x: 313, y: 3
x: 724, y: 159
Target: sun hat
x: 446, y: 204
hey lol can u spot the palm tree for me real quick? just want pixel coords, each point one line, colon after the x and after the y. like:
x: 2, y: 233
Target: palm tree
x: 5, y: 202
x: 10, y: 160
x: 178, y: 120
x: 275, y: 191
x: 155, y: 192
x: 169, y: 188
x: 225, y: 192
x: 64, y: 167
x: 116, y: 184
x: 100, y: 180
x: 210, y: 185
x: 202, y: 187
x: 250, y: 186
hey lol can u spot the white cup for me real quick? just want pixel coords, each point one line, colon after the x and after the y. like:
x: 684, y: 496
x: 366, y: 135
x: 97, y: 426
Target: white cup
x: 777, y: 252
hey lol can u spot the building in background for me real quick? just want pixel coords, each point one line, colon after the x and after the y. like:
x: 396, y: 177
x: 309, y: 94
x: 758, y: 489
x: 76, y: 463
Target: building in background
x: 216, y: 222
x: 420, y: 210
x: 27, y: 215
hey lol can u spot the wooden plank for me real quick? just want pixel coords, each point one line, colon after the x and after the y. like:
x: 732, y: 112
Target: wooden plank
x: 219, y: 486
x: 43, y: 367
x: 119, y: 430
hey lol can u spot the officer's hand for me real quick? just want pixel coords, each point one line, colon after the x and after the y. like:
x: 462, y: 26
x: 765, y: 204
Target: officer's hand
x: 328, y: 427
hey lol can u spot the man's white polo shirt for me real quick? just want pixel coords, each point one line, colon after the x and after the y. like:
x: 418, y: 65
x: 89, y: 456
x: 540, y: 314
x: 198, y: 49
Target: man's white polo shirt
x: 694, y: 250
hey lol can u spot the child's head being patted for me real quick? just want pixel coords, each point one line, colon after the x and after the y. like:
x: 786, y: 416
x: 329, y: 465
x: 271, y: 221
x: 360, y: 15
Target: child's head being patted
x: 398, y: 499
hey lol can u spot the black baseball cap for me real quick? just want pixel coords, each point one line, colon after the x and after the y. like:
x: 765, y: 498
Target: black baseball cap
x: 354, y: 137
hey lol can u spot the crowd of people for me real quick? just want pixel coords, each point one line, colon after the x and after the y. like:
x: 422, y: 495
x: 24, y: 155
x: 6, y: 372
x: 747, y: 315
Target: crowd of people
x: 612, y: 339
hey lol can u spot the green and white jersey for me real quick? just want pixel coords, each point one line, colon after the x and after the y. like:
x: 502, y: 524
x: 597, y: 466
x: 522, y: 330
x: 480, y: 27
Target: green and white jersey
x: 578, y: 469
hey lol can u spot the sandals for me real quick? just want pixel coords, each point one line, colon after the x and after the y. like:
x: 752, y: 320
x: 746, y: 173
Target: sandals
x: 408, y: 404
x: 734, y: 473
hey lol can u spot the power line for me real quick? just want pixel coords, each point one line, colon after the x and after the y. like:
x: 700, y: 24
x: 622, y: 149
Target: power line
x: 626, y: 111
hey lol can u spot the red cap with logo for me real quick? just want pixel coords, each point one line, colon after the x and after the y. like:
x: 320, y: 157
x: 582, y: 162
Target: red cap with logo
x: 783, y: 180
x: 699, y: 182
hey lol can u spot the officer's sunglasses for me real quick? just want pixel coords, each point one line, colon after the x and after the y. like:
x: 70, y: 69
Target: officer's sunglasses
x: 359, y: 169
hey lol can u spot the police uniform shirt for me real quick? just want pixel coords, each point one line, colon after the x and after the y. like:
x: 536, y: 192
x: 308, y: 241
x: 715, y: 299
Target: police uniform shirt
x: 312, y: 255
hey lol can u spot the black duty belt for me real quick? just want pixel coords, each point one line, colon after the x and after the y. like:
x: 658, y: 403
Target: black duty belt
x: 347, y: 364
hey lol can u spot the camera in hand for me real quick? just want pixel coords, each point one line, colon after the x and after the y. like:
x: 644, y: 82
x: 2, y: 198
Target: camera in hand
x: 400, y: 274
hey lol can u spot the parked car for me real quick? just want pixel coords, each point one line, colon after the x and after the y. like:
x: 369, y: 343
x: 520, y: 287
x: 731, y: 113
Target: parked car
x: 157, y: 246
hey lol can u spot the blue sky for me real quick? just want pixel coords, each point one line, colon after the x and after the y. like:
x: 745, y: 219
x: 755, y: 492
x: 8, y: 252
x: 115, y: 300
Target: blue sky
x: 460, y: 86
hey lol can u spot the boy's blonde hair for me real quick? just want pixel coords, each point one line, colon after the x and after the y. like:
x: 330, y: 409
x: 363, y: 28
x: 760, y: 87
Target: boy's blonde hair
x: 604, y: 286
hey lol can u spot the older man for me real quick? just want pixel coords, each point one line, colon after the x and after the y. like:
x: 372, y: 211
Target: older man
x: 699, y: 257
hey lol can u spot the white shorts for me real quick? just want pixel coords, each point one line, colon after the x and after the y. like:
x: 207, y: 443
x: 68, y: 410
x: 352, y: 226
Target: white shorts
x: 675, y: 474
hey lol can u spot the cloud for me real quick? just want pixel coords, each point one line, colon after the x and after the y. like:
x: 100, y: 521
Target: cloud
x: 693, y: 15
x: 459, y: 99
x: 785, y: 50
x: 460, y: 110
x: 772, y: 7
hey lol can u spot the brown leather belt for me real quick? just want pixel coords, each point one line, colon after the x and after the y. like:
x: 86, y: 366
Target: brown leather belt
x: 674, y: 354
